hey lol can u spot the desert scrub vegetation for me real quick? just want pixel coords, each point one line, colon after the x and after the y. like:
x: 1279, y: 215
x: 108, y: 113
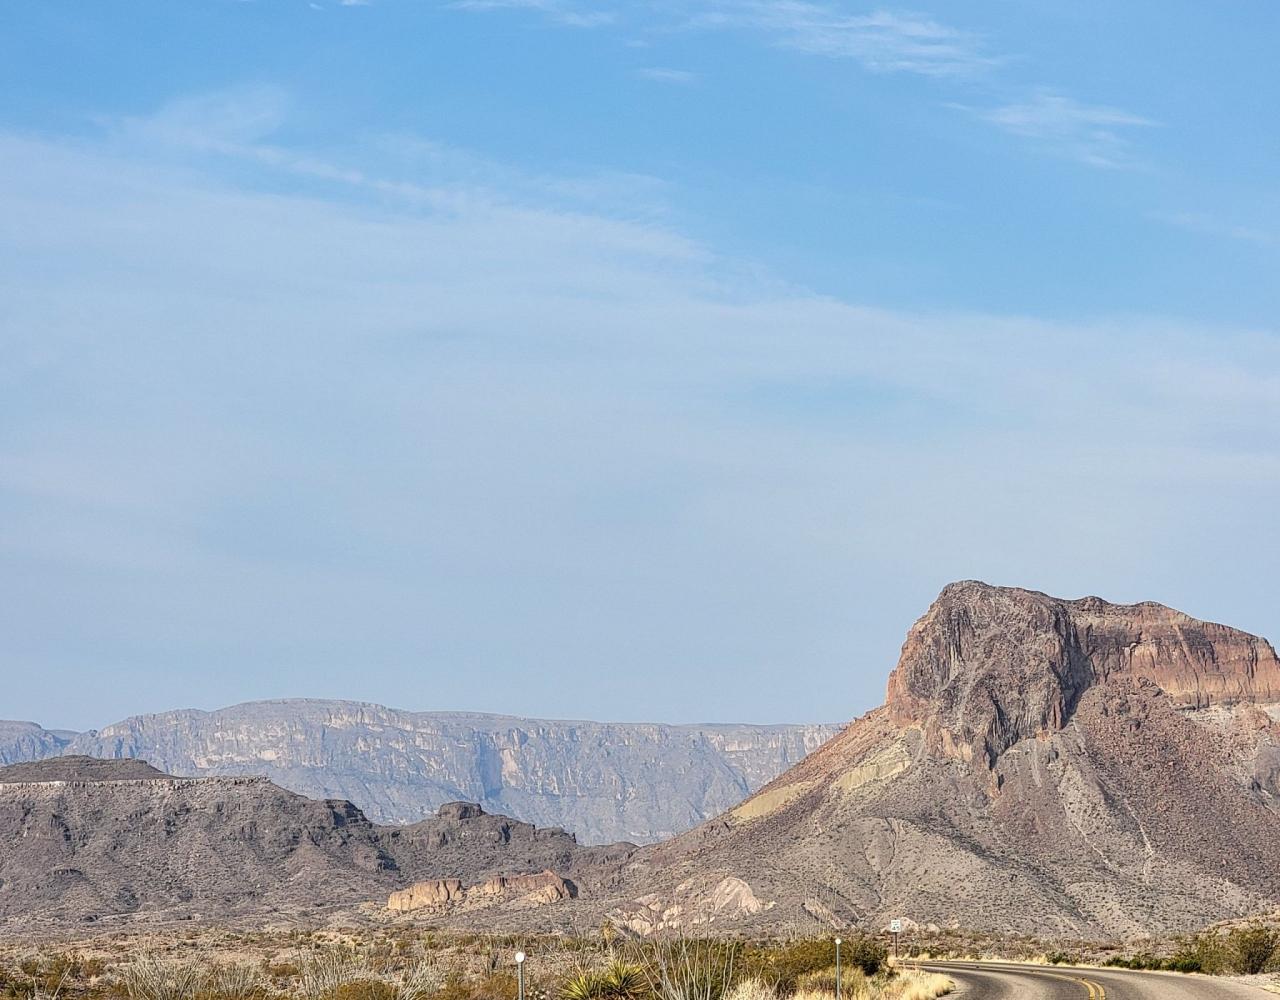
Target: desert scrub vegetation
x: 782, y: 964
x: 414, y: 963
x: 713, y: 969
x: 1245, y: 951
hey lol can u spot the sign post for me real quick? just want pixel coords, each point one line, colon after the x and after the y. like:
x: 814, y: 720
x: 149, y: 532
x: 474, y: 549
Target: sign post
x: 895, y: 928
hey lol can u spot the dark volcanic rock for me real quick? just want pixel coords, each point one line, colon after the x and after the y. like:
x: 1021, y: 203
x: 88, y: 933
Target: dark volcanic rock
x: 78, y: 768
x: 90, y: 838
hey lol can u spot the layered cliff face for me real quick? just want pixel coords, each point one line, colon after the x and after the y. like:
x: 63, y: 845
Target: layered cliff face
x: 605, y: 782
x: 92, y: 839
x: 988, y: 666
x: 1040, y: 765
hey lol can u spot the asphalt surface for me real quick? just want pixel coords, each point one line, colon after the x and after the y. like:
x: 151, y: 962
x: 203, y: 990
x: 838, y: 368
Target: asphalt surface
x: 1000, y: 981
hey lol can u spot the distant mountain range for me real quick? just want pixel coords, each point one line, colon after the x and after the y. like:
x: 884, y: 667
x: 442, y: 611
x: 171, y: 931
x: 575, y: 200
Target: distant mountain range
x: 604, y: 782
x: 1071, y: 768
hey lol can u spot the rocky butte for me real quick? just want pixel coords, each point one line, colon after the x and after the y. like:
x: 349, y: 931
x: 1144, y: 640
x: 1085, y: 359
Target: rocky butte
x: 1040, y: 765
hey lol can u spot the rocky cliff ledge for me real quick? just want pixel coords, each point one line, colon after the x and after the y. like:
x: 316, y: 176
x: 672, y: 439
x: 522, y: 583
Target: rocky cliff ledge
x: 988, y: 666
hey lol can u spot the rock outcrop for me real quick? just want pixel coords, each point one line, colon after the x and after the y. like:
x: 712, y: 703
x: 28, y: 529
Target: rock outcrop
x: 987, y: 667
x: 536, y: 889
x: 1040, y: 766
x: 604, y: 781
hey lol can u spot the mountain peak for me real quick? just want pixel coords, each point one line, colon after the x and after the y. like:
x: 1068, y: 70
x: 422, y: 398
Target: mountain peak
x: 987, y: 666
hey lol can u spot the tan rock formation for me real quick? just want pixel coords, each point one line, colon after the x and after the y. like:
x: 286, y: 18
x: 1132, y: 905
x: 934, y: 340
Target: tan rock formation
x: 420, y: 895
x: 538, y: 889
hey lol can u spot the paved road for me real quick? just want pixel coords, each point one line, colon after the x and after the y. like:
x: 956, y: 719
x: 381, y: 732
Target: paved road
x: 999, y: 981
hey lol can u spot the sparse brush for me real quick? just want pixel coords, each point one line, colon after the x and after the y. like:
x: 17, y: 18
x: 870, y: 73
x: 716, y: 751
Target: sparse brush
x: 424, y: 978
x: 753, y: 989
x: 324, y: 971
x: 235, y: 981
x: 690, y: 969
x: 149, y: 977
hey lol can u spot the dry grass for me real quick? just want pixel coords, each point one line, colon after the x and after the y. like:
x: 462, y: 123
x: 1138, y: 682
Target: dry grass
x: 907, y: 985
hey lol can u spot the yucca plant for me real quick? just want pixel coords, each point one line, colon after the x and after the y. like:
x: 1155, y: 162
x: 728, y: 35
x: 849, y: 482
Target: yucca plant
x: 619, y: 981
x: 584, y: 985
x: 624, y: 981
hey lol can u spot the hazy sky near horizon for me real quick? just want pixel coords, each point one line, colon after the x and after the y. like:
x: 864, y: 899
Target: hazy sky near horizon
x: 622, y: 361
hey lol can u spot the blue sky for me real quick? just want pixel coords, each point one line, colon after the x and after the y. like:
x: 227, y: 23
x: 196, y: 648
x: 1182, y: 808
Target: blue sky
x: 649, y: 361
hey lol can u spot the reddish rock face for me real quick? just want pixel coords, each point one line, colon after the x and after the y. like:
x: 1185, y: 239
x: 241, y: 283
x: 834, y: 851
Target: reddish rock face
x: 989, y: 666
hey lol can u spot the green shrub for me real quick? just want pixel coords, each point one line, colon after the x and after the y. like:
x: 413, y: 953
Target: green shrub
x: 1252, y: 948
x: 784, y: 964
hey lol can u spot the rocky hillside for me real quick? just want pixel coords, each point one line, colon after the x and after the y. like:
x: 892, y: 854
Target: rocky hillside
x: 84, y: 839
x: 605, y: 782
x: 1040, y: 765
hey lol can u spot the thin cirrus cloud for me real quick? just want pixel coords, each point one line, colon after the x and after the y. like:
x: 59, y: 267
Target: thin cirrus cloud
x: 882, y: 41
x: 1093, y: 134
x: 573, y: 15
x: 1211, y: 224
x: 664, y: 74
x: 889, y: 41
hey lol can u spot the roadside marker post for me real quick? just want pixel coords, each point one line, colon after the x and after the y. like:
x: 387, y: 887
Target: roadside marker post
x: 837, y: 969
x: 520, y: 972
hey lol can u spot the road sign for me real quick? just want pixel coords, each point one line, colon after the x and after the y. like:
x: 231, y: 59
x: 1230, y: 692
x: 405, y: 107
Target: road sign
x: 895, y: 926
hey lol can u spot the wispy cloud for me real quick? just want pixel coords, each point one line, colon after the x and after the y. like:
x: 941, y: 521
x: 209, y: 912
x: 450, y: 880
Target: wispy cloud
x: 1093, y: 134
x: 572, y: 14
x: 663, y: 74
x: 1208, y: 224
x: 243, y: 423
x: 883, y: 41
